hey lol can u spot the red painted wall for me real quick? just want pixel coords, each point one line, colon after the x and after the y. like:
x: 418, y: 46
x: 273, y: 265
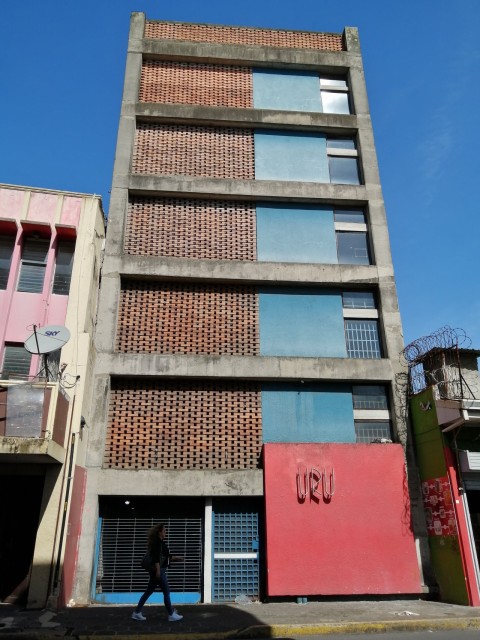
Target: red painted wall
x: 73, y: 535
x: 465, y: 546
x: 358, y: 542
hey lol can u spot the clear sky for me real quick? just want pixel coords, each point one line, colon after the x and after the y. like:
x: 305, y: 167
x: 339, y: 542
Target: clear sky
x: 61, y: 70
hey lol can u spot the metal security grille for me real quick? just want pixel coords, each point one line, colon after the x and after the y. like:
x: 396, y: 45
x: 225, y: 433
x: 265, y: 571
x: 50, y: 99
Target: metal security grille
x: 235, y: 559
x: 123, y: 543
x: 368, y: 431
x: 362, y: 339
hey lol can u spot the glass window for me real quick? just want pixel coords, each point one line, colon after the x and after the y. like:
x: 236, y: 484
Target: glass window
x: 362, y: 339
x: 341, y: 143
x: 343, y: 170
x: 371, y: 396
x: 334, y: 94
x: 350, y: 215
x: 358, y: 300
x: 16, y: 360
x: 352, y: 247
x: 369, y: 431
x: 6, y: 250
x: 34, y: 263
x: 333, y: 82
x: 333, y: 102
x: 63, y: 267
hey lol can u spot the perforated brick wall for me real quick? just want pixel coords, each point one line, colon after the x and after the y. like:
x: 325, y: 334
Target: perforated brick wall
x: 244, y: 35
x: 188, y: 228
x: 169, y: 317
x: 211, y: 152
x: 183, y: 425
x: 191, y: 83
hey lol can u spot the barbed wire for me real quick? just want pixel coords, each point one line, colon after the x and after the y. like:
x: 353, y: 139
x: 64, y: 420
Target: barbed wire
x: 447, y: 377
x: 443, y: 339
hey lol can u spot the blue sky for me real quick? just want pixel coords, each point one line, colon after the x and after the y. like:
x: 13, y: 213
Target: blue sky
x: 62, y: 65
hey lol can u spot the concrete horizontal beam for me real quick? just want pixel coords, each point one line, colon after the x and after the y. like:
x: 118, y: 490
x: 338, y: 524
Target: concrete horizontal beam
x: 244, y: 367
x: 240, y: 271
x: 155, y: 482
x: 261, y: 118
x: 225, y: 188
x: 252, y: 55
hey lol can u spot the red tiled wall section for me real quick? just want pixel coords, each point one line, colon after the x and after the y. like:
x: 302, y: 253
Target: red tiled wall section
x: 187, y: 318
x: 183, y: 425
x: 191, y: 83
x: 244, y: 35
x: 184, y: 228
x: 211, y: 152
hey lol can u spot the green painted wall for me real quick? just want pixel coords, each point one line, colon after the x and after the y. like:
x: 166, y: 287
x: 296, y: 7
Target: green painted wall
x: 429, y: 447
x: 429, y: 441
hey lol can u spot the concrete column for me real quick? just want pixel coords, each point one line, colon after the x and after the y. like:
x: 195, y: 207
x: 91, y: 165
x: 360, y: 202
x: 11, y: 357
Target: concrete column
x: 43, y: 556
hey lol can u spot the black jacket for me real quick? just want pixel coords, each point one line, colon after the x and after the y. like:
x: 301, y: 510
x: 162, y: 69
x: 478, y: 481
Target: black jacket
x: 160, y: 553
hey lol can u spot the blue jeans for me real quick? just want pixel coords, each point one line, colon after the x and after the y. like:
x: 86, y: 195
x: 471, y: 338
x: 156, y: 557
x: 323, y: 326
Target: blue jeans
x: 162, y: 582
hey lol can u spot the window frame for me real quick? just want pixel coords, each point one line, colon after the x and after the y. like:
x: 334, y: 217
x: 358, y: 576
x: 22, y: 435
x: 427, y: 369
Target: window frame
x: 11, y: 372
x: 5, y: 271
x: 339, y: 152
x: 363, y: 314
x: 33, y: 263
x: 63, y: 275
x: 332, y: 88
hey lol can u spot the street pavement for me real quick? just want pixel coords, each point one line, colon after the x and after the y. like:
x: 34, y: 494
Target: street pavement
x: 228, y: 621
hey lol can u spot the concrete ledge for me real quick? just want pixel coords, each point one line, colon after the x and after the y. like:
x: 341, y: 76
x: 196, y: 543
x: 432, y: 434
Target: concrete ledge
x: 326, y: 628
x: 230, y: 116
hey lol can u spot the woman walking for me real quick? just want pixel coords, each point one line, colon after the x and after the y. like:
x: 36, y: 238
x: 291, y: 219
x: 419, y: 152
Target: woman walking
x: 161, y: 558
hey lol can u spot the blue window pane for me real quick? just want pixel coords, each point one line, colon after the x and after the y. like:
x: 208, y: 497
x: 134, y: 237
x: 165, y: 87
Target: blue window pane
x: 352, y: 247
x: 341, y: 143
x: 358, y: 300
x: 349, y: 215
x: 343, y: 170
x: 370, y: 396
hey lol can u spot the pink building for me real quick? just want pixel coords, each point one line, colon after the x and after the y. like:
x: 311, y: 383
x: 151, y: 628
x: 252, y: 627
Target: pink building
x: 50, y: 248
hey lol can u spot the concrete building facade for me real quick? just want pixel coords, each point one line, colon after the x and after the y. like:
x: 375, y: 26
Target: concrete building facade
x: 50, y: 256
x: 249, y: 329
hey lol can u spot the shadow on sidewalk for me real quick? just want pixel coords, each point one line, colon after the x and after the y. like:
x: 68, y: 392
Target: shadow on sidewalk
x: 215, y: 621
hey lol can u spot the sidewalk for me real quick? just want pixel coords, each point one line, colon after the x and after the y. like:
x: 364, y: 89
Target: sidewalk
x: 218, y: 622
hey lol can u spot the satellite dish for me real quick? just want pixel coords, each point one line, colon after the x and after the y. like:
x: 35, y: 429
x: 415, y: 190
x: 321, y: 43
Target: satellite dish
x: 47, y: 339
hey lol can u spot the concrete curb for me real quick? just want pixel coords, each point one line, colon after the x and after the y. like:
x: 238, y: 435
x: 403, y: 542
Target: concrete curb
x: 265, y: 631
x: 325, y: 628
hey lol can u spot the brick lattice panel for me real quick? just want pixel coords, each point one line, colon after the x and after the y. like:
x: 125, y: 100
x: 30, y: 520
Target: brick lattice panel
x: 187, y: 318
x: 210, y: 152
x: 183, y: 425
x: 191, y: 83
x: 189, y: 228
x: 244, y: 35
